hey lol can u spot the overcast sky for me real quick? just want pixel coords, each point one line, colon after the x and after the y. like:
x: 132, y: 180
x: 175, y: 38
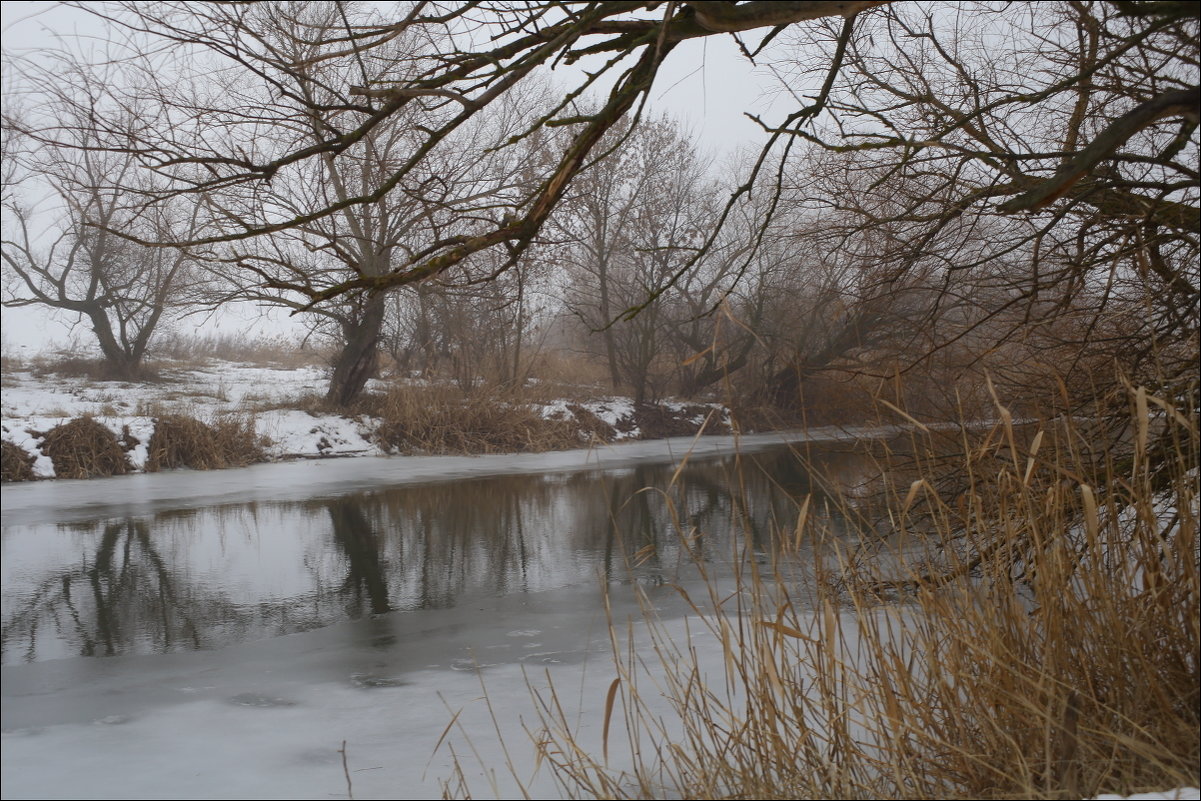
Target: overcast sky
x: 707, y: 86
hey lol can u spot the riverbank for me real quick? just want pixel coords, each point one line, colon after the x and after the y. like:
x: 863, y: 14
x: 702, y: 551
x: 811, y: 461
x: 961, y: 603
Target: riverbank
x: 57, y: 424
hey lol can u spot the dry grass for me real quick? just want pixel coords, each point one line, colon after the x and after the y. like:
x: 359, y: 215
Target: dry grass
x: 441, y: 419
x: 71, y: 366
x: 309, y: 402
x: 269, y: 351
x: 15, y: 463
x: 656, y: 421
x: 85, y: 448
x: 180, y: 441
x: 566, y: 374
x: 1035, y: 635
x: 9, y: 364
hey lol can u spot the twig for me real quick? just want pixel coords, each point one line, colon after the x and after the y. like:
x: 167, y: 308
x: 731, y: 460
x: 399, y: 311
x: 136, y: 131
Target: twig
x: 346, y: 772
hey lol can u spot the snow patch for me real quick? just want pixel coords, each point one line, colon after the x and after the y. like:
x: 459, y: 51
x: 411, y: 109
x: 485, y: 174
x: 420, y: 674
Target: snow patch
x: 296, y: 433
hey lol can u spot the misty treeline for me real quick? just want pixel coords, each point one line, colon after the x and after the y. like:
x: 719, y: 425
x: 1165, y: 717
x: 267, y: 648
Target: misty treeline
x: 969, y: 199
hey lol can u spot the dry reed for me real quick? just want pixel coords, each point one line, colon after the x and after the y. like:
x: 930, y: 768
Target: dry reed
x: 441, y: 419
x: 84, y: 448
x: 15, y: 463
x: 1033, y: 634
x: 180, y: 441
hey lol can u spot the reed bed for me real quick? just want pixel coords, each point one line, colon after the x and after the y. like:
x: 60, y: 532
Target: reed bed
x: 440, y: 419
x: 86, y: 448
x: 1029, y: 629
x: 182, y: 441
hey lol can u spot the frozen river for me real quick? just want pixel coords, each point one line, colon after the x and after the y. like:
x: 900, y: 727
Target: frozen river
x: 221, y: 634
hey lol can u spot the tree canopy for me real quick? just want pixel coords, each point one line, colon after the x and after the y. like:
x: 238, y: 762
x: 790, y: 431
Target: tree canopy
x: 205, y: 83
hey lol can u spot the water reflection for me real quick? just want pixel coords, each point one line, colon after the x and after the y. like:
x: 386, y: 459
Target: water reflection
x: 209, y: 577
x: 366, y: 584
x: 123, y: 590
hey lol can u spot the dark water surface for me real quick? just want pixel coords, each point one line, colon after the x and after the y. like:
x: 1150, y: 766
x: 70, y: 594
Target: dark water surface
x: 204, y: 578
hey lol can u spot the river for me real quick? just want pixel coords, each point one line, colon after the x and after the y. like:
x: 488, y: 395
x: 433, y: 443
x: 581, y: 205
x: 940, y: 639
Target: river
x: 223, y: 634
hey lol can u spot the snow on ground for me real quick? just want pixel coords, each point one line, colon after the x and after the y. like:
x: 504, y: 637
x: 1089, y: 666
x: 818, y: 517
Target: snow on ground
x: 295, y: 433
x: 33, y: 404
x: 612, y: 412
x: 616, y: 413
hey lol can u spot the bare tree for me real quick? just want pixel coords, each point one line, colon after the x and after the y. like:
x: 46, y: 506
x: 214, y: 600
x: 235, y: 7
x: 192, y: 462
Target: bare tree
x: 1046, y: 159
x: 360, y: 239
x: 454, y: 190
x: 628, y: 227
x: 450, y: 85
x: 78, y: 262
x: 1076, y: 119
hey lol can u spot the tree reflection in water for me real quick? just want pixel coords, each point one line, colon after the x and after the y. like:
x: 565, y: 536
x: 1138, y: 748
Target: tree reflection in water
x: 354, y: 533
x: 206, y: 578
x: 123, y: 595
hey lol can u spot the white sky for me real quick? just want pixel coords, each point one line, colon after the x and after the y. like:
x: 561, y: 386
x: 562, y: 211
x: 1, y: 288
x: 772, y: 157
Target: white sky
x: 707, y: 85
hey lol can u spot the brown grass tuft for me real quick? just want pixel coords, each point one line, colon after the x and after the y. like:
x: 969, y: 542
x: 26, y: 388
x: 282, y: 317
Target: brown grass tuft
x: 84, y: 448
x: 442, y: 419
x: 15, y: 463
x: 180, y: 441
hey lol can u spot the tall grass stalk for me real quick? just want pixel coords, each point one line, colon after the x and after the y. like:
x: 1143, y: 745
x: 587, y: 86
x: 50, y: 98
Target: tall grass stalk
x: 1028, y: 629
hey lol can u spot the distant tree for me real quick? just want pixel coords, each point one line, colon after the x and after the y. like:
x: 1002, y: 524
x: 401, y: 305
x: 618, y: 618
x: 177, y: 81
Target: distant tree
x: 451, y: 192
x: 75, y: 259
x: 627, y: 229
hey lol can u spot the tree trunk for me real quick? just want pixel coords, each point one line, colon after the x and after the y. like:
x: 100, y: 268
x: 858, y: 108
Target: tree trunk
x: 118, y: 362
x: 610, y: 344
x: 359, y: 359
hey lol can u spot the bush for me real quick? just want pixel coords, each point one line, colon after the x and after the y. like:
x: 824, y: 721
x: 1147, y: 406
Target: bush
x: 84, y: 448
